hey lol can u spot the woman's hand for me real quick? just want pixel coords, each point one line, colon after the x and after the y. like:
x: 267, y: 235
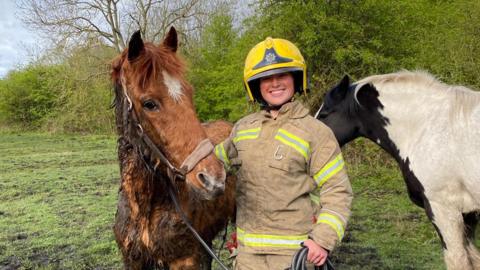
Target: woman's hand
x: 316, y: 254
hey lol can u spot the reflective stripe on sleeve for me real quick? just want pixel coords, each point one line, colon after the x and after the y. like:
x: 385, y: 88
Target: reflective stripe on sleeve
x: 221, y: 154
x: 291, y: 140
x: 247, y: 134
x: 333, y: 222
x: 267, y: 240
x: 329, y: 170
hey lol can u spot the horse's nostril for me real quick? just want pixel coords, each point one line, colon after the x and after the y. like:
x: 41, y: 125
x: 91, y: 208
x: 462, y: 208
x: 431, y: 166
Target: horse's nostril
x: 203, y: 179
x: 210, y: 182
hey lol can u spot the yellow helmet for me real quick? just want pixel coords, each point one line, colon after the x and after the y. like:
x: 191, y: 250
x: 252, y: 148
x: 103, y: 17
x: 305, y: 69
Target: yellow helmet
x: 273, y: 56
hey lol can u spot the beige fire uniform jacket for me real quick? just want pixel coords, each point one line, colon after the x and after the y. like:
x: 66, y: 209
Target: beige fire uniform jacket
x: 290, y: 172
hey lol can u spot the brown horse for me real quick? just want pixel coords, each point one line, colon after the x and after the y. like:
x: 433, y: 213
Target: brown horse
x: 152, y: 99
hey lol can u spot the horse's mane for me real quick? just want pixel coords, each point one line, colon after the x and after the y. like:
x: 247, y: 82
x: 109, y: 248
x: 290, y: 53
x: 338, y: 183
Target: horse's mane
x: 405, y: 77
x: 419, y: 77
x: 462, y: 98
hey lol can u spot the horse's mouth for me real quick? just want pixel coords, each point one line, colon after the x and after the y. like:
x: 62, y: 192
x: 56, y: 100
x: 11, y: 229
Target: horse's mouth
x: 210, y: 187
x: 208, y: 191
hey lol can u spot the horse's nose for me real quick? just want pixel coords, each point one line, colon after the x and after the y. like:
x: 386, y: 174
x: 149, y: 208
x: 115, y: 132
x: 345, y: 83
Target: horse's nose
x: 213, y: 185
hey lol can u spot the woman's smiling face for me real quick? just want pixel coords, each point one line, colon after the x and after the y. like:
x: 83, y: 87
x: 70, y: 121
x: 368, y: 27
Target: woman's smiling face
x: 277, y: 88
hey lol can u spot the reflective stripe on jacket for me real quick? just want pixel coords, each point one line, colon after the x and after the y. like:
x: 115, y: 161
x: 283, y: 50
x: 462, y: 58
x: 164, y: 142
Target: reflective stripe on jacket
x: 289, y: 170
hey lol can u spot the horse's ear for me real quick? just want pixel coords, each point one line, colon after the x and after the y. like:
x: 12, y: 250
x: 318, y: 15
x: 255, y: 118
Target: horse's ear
x: 116, y: 66
x: 367, y: 96
x: 345, y: 82
x: 135, y: 46
x: 171, y: 40
x: 340, y: 91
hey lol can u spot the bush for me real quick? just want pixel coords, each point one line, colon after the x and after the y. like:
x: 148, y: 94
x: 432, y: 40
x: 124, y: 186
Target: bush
x: 216, y: 71
x: 87, y: 96
x: 28, y: 97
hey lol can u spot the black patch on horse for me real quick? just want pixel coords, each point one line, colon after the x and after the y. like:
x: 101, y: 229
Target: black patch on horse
x: 471, y: 221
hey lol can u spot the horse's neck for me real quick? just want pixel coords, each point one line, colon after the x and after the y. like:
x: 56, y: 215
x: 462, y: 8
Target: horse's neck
x: 143, y: 190
x: 412, y: 113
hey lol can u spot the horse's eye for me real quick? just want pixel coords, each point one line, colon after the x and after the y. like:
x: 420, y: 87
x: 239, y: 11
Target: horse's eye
x: 150, y: 105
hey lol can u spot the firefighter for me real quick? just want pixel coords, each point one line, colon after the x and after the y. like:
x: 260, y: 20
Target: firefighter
x: 292, y: 185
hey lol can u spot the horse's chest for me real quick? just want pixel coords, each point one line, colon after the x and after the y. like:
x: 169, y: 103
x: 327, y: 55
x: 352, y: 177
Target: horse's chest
x: 167, y: 227
x: 168, y: 236
x: 434, y: 170
x: 431, y: 181
x: 414, y: 186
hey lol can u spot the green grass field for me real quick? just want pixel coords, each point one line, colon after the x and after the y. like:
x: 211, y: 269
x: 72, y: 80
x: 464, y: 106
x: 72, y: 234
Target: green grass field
x: 58, y: 199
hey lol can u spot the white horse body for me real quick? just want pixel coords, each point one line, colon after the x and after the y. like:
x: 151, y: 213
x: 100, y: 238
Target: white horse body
x: 442, y: 123
x: 441, y: 140
x: 433, y: 131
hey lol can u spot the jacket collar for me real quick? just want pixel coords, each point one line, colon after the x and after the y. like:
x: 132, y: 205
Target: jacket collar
x: 292, y: 110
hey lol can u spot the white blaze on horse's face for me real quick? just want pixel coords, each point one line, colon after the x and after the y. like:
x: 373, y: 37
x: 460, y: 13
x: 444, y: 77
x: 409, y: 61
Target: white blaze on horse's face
x: 174, y: 86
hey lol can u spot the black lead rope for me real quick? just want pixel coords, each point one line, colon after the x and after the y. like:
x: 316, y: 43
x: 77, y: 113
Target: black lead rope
x: 299, y: 261
x: 171, y: 191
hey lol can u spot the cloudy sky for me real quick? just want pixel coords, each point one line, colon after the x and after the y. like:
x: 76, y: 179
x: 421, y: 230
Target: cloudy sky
x: 15, y: 40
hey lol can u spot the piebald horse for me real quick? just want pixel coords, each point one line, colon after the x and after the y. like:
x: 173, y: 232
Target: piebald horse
x: 432, y: 130
x: 155, y: 118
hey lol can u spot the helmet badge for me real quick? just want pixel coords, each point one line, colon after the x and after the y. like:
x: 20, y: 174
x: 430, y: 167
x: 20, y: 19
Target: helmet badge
x: 270, y: 57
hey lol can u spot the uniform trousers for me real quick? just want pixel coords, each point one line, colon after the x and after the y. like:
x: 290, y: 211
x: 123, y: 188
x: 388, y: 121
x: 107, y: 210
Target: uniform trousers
x: 247, y: 261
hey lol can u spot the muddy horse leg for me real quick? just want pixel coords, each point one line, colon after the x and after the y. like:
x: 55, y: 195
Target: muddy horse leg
x: 206, y: 261
x: 133, y: 259
x: 198, y: 261
x: 451, y: 229
x: 186, y: 263
x: 139, y: 265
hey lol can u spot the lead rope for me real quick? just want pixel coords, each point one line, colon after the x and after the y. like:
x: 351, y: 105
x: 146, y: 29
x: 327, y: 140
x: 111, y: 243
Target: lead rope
x: 299, y: 261
x: 190, y: 227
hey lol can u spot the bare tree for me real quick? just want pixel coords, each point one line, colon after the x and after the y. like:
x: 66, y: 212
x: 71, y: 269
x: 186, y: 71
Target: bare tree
x: 112, y: 21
